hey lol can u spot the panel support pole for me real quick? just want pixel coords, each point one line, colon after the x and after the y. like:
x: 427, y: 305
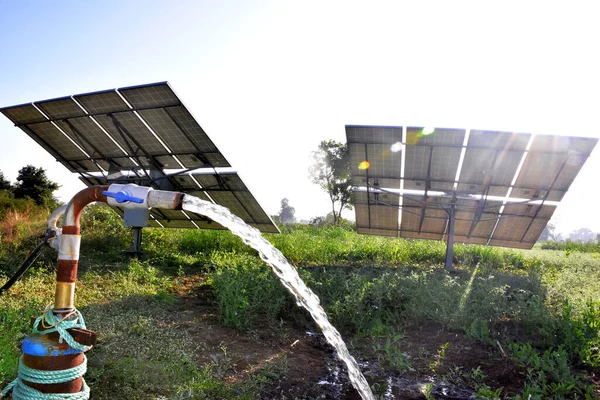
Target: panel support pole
x: 136, y: 248
x: 450, y: 241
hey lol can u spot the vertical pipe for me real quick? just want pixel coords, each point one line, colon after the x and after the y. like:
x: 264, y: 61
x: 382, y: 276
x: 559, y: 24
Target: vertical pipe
x: 68, y: 252
x: 450, y: 243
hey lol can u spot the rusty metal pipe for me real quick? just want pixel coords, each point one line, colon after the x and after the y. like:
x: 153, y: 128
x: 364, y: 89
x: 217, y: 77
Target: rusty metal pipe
x: 68, y: 251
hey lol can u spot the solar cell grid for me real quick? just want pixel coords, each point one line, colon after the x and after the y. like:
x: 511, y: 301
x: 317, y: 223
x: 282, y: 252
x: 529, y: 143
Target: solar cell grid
x: 477, y: 165
x: 444, y: 163
x: 95, y: 136
x: 60, y: 108
x: 373, y: 134
x: 540, y: 170
x: 189, y: 124
x: 463, y: 226
x: 535, y: 230
x: 102, y: 102
x: 505, y: 167
x: 154, y: 95
x: 56, y: 140
x: 383, y: 217
x: 186, y: 182
x: 511, y: 228
x: 434, y: 225
x: 498, y: 140
x: 416, y: 165
x: 357, y: 156
x: 362, y: 214
x: 25, y: 113
x: 410, y: 220
x: 485, y: 226
x: 573, y: 165
x: 440, y: 137
x: 232, y: 202
x: 225, y: 181
x: 139, y: 133
x: 551, y: 144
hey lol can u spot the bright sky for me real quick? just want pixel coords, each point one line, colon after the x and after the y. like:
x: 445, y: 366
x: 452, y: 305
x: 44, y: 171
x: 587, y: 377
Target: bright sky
x: 269, y: 80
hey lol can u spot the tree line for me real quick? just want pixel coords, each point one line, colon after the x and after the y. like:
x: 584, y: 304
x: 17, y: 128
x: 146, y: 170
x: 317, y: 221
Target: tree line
x: 33, y: 184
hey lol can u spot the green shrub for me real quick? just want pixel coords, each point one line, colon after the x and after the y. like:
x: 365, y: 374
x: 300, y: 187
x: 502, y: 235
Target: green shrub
x: 248, y: 294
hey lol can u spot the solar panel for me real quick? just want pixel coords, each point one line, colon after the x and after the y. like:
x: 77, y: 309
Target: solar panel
x: 503, y: 192
x: 137, y: 134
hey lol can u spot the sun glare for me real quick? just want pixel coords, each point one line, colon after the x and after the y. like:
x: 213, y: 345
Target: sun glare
x: 427, y: 131
x: 396, y: 147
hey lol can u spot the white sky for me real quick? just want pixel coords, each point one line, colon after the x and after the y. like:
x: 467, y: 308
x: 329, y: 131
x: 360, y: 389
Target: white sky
x: 269, y: 80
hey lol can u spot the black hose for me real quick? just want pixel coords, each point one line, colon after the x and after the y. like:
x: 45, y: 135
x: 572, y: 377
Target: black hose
x: 35, y: 253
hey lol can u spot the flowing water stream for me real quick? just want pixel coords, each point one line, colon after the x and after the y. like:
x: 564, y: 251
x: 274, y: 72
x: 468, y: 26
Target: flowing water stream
x: 288, y: 276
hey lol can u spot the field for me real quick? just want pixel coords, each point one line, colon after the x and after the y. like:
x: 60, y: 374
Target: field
x: 200, y: 316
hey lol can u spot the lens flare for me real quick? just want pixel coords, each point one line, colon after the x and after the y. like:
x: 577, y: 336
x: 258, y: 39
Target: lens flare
x: 427, y: 131
x: 364, y: 165
x: 396, y: 147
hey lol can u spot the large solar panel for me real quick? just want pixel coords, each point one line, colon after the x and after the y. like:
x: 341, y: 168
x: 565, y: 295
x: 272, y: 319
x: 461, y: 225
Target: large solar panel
x: 503, y: 187
x: 138, y: 134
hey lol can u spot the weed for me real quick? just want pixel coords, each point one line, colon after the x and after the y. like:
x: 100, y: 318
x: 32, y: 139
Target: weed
x: 547, y: 374
x: 427, y: 391
x: 479, y: 330
x: 477, y: 374
x: 485, y: 392
x: 439, y: 358
x: 390, y: 354
x: 223, y: 364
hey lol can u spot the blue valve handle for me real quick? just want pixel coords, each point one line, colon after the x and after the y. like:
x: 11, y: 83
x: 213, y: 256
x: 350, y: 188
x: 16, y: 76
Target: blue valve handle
x: 122, y: 197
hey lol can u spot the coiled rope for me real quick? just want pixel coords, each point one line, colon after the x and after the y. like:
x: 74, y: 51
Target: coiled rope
x: 51, y: 323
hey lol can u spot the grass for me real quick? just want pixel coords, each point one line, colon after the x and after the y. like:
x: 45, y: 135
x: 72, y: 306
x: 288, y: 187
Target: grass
x: 542, y: 305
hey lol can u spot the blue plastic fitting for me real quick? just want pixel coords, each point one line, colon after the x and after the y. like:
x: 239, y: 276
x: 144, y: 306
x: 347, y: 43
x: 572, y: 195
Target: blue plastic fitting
x: 122, y: 197
x: 42, y: 346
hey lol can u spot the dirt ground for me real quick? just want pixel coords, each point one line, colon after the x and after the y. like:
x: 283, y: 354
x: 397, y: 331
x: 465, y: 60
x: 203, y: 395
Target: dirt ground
x: 449, y: 361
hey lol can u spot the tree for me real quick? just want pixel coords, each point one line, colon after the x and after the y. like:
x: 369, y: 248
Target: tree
x: 4, y: 183
x: 33, y: 183
x: 550, y: 229
x: 583, y: 235
x: 331, y: 171
x: 286, y: 212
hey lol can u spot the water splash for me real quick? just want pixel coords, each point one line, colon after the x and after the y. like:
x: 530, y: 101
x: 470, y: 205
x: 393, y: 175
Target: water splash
x: 288, y: 276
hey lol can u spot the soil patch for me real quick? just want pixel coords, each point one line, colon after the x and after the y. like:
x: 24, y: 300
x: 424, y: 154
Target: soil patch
x: 302, y: 365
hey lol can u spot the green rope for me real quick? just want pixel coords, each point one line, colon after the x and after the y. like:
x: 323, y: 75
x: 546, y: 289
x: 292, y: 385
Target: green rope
x: 52, y: 320
x: 21, y: 391
x: 48, y: 377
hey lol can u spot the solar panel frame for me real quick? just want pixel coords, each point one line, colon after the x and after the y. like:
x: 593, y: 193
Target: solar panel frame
x: 185, y: 139
x: 490, y: 165
x: 142, y: 130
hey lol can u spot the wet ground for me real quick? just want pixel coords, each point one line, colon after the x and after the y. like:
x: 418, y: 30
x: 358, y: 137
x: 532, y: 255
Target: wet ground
x: 417, y: 360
